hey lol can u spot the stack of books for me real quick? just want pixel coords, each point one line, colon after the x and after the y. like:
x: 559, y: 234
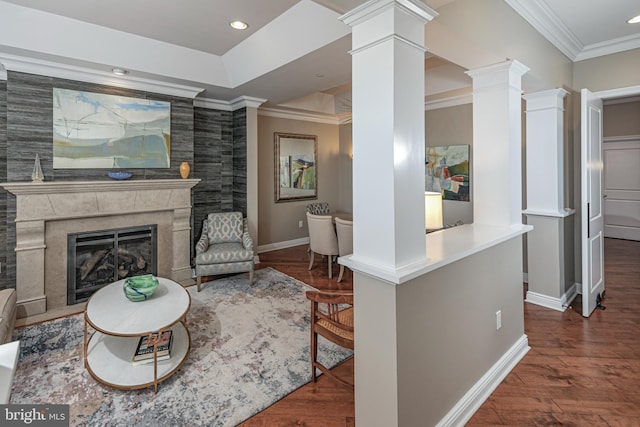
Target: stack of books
x: 144, y: 351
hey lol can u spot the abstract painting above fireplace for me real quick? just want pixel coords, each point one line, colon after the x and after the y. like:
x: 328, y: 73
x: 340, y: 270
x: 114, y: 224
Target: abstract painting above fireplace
x: 96, y: 130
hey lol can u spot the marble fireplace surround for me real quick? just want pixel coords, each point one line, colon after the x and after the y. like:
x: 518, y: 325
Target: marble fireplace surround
x: 46, y: 212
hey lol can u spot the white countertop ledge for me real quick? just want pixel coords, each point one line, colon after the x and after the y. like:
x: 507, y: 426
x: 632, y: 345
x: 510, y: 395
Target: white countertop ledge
x: 443, y: 247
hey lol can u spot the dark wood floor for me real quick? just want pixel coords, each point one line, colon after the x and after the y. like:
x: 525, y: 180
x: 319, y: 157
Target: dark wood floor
x: 324, y: 403
x: 579, y: 372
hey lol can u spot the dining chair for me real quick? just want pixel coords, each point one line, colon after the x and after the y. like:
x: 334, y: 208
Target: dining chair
x: 319, y: 208
x: 322, y: 239
x: 332, y: 318
x: 344, y: 231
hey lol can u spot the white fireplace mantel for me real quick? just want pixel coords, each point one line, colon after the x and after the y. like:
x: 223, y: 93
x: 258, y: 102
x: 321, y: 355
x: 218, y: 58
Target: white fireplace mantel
x: 46, y: 212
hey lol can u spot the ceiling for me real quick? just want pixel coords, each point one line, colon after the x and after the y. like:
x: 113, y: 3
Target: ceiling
x: 292, y: 50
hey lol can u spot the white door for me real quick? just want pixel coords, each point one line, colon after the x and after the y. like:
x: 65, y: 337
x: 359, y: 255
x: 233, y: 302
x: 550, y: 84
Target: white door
x: 621, y: 157
x: 592, y: 212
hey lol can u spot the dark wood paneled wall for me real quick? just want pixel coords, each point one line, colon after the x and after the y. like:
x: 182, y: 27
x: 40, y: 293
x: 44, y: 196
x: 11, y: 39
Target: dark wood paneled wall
x: 204, y: 138
x: 3, y: 173
x: 240, y: 161
x: 213, y: 141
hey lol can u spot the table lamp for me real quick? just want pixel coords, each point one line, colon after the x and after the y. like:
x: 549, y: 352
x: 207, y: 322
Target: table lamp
x: 432, y: 210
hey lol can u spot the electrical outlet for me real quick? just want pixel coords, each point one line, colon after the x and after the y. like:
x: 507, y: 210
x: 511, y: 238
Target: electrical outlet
x: 498, y: 319
x: 300, y: 224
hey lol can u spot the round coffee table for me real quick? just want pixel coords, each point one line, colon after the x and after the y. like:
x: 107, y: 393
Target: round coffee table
x: 119, y: 324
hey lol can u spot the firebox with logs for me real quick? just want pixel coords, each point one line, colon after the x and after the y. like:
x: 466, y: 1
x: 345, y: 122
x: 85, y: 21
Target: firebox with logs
x: 98, y: 258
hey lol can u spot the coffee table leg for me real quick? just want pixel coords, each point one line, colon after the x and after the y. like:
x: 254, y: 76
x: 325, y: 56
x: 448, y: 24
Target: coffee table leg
x: 85, y: 341
x: 155, y: 364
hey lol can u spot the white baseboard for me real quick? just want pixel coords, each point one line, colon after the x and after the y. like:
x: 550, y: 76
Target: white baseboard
x: 558, y: 304
x: 481, y: 390
x: 282, y: 245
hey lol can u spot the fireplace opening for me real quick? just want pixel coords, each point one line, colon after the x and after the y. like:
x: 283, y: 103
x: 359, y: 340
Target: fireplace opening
x: 97, y: 258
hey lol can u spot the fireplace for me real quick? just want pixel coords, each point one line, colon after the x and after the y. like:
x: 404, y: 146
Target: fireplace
x: 47, y: 212
x: 97, y: 258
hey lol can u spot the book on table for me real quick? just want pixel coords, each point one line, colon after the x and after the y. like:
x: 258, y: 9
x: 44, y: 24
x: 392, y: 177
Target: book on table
x: 144, y: 350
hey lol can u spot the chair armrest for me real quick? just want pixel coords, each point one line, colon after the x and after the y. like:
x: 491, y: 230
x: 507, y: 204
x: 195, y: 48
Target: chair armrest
x: 203, y: 242
x: 247, y: 241
x: 333, y: 297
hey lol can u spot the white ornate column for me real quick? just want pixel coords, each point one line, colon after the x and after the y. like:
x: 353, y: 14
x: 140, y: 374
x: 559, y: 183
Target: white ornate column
x: 388, y: 189
x: 550, y: 244
x: 497, y: 152
x: 388, y: 133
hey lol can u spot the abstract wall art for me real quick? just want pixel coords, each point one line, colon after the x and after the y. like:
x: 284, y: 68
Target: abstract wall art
x: 447, y: 171
x: 95, y: 130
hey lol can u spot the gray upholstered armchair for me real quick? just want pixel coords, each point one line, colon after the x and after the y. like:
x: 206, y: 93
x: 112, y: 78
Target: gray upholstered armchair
x: 225, y: 246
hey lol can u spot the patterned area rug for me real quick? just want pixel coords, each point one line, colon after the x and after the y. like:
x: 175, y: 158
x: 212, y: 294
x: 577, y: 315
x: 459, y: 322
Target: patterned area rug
x: 250, y: 348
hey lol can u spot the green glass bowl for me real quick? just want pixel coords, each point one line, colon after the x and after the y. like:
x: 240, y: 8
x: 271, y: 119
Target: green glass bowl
x: 140, y: 288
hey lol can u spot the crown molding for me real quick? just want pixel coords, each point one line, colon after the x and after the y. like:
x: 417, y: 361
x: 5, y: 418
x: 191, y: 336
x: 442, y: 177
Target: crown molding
x: 372, y: 8
x: 70, y: 72
x: 298, y: 115
x: 611, y: 46
x: 234, y: 104
x: 547, y: 23
x: 212, y: 104
x: 450, y: 101
x: 246, y: 102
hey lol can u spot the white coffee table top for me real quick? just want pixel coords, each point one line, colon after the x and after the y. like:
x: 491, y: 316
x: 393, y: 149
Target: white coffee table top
x: 109, y: 310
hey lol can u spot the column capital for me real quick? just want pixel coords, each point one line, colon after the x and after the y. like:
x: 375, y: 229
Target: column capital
x: 545, y: 99
x: 373, y: 8
x: 498, y: 74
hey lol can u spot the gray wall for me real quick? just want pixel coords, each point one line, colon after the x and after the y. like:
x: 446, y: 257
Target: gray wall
x: 437, y: 349
x: 26, y: 129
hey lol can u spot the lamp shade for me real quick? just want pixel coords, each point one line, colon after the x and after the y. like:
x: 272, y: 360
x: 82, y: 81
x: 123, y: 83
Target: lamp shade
x: 432, y: 210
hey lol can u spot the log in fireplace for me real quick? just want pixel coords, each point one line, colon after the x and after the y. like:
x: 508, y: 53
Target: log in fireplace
x: 97, y: 258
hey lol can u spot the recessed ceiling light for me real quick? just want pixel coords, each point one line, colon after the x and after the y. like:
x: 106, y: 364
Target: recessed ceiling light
x: 239, y: 25
x: 634, y: 20
x: 119, y: 71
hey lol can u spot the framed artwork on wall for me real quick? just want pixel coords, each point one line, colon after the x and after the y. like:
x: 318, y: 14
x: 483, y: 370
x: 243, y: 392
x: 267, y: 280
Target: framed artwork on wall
x: 296, y: 166
x: 447, y: 172
x: 100, y: 131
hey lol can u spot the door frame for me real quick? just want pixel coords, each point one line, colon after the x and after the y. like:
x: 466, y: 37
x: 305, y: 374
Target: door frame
x: 603, y: 95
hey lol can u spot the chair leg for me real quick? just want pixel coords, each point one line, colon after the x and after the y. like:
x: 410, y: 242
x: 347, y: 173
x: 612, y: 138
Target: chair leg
x: 341, y: 273
x: 198, y: 283
x: 311, y: 260
x: 330, y: 262
x: 314, y: 354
